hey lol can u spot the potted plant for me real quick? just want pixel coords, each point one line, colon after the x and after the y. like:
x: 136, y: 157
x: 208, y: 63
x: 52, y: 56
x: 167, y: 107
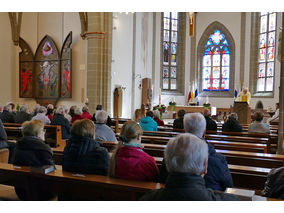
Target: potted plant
x: 172, y: 105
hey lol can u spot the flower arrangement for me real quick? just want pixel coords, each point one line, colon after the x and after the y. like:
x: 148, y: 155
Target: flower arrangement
x: 172, y: 103
x: 18, y: 107
x: 161, y: 108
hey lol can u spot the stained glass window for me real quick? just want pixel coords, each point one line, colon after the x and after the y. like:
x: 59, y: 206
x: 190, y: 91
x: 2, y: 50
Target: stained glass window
x: 266, y: 52
x: 170, y: 28
x: 216, y: 63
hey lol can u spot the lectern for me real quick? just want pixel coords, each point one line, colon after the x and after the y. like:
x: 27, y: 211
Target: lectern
x: 243, y: 111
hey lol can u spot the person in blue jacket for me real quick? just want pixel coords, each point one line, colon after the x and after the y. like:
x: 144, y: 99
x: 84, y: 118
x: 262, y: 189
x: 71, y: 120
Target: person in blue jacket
x: 148, y: 123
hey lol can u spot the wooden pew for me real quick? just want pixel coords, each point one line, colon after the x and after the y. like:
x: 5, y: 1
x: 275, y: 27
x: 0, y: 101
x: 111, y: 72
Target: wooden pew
x: 233, y: 157
x: 84, y: 187
x: 273, y: 138
x: 15, y: 133
x: 239, y: 146
x: 253, y: 159
x: 221, y: 144
x: 90, y: 187
x: 239, y: 139
x: 248, y: 177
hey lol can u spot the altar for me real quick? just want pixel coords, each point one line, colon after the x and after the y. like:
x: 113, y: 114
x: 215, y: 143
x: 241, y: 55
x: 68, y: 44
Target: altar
x: 187, y: 108
x: 221, y: 112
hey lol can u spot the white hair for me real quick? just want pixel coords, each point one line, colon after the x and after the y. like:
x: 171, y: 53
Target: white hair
x: 101, y: 116
x: 50, y: 106
x: 186, y: 153
x: 233, y: 115
x: 60, y: 110
x: 65, y: 109
x: 23, y: 107
x: 77, y: 111
x: 7, y: 107
x: 156, y: 114
x: 36, y: 107
x: 194, y: 123
x: 42, y: 109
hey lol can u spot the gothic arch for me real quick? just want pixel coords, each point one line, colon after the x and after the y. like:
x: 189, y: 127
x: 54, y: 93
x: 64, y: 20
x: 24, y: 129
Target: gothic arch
x: 47, y: 70
x: 200, y: 50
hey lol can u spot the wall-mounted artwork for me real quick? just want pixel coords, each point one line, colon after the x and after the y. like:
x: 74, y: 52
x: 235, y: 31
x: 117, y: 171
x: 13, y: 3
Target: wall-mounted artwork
x: 47, y: 69
x: 66, y: 67
x: 47, y: 75
x: 25, y: 70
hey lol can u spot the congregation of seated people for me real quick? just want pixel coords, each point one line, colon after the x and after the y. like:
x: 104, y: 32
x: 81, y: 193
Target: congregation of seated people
x: 191, y: 168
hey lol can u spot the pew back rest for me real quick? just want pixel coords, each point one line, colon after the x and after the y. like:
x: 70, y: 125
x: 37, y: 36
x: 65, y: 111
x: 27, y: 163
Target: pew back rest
x: 85, y: 186
x: 4, y: 155
x: 53, y: 134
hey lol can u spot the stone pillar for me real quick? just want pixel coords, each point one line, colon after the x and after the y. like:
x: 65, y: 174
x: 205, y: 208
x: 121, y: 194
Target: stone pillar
x: 280, y: 149
x: 99, y: 60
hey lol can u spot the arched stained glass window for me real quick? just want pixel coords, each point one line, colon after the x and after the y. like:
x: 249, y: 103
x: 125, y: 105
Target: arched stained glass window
x: 216, y: 63
x: 170, y: 28
x: 266, y: 52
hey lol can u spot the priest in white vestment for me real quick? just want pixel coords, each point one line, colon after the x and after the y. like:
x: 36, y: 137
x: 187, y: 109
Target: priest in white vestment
x: 244, y: 96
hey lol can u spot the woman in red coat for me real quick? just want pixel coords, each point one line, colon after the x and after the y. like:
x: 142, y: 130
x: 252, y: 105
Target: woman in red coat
x: 77, y: 115
x: 129, y: 161
x: 86, y: 114
x: 157, y: 118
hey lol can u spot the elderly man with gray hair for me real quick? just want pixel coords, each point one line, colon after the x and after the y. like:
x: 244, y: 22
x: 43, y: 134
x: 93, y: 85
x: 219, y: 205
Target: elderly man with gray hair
x: 41, y: 115
x: 186, y: 158
x: 7, y: 116
x: 103, y: 132
x: 59, y: 119
x: 23, y: 115
x: 218, y: 175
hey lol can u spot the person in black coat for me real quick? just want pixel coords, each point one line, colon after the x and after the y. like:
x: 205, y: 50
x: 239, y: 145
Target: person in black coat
x: 178, y: 123
x: 210, y: 123
x: 7, y: 116
x: 3, y: 137
x: 274, y: 185
x: 23, y: 115
x: 32, y: 151
x: 185, y: 180
x: 218, y: 175
x: 232, y: 124
x: 4, y: 143
x: 83, y: 154
x: 59, y: 119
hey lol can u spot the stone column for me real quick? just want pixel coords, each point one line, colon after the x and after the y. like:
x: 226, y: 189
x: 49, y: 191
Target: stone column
x: 99, y: 61
x: 280, y: 149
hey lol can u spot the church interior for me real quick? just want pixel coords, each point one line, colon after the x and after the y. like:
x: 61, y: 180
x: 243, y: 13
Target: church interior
x: 223, y: 65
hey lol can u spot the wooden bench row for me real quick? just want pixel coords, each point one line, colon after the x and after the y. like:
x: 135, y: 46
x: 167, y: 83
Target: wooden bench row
x: 53, y: 133
x: 233, y: 157
x: 228, y: 143
x: 84, y: 186
x: 248, y: 177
